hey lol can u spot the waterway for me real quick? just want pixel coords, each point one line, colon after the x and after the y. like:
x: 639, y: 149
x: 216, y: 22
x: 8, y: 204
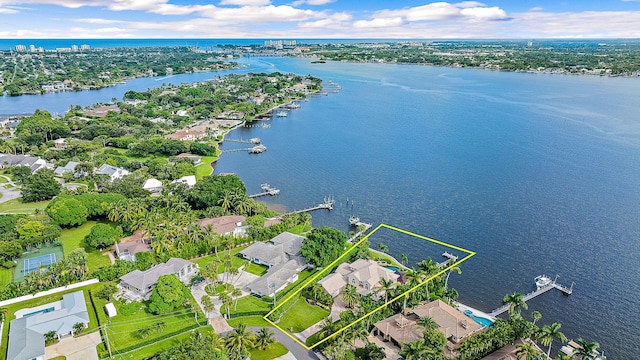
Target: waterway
x: 536, y: 173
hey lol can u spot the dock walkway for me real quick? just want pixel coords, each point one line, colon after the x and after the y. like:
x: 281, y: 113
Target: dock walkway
x: 539, y: 291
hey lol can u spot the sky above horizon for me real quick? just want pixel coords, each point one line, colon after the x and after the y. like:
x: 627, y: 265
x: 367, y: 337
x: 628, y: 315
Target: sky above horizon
x: 305, y: 19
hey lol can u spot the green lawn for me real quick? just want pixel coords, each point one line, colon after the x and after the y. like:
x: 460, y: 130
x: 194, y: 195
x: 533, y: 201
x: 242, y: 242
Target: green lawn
x: 291, y: 288
x: 256, y: 269
x: 11, y: 309
x: 248, y: 303
x: 236, y: 260
x: 163, y: 345
x: 71, y: 239
x: 3, y: 180
x: 16, y: 206
x: 6, y: 276
x: 205, y: 168
x: 274, y: 350
x: 301, y: 316
x: 256, y: 320
x: 300, y: 229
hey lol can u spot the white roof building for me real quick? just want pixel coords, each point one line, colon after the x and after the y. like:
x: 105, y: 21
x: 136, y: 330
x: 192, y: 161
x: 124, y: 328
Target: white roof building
x: 189, y: 180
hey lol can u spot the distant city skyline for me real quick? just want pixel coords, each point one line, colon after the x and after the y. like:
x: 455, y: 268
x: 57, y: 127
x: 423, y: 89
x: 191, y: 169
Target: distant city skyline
x: 306, y: 19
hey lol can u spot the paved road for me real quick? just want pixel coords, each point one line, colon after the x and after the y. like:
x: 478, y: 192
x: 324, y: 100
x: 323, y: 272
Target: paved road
x: 80, y: 348
x: 296, y: 349
x: 8, y: 194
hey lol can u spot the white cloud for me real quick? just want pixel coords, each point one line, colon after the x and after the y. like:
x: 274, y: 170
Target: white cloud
x: 466, y: 4
x: 99, y: 21
x: 8, y: 10
x: 311, y: 2
x: 536, y: 8
x: 483, y: 13
x: 246, y: 2
x: 379, y: 23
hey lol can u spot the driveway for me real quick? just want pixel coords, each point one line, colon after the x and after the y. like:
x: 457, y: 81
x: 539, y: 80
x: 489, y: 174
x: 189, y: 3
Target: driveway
x: 80, y: 348
x: 295, y: 349
x: 9, y: 194
x: 240, y: 281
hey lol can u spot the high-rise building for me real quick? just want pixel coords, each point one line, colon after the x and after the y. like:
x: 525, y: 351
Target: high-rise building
x: 84, y: 47
x: 32, y: 48
x: 74, y: 47
x: 21, y: 48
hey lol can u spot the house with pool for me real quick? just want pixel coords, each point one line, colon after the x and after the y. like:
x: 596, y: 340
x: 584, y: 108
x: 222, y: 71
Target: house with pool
x: 403, y: 328
x: 26, y: 332
x: 365, y: 275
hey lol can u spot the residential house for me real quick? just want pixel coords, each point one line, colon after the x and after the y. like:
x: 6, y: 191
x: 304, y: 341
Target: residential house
x: 189, y: 180
x: 127, y: 250
x: 60, y: 144
x: 195, y: 159
x: 365, y: 275
x: 187, y: 135
x: 226, y: 225
x: 26, y: 332
x: 282, y: 256
x: 24, y: 160
x: 401, y: 329
x: 139, y: 284
x: 112, y: 171
x: 152, y: 185
x: 70, y: 167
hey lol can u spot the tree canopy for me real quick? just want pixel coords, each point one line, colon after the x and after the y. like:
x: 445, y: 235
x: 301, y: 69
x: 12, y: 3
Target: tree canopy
x: 208, y: 191
x: 323, y: 245
x: 167, y: 295
x: 40, y: 128
x: 40, y: 186
x: 102, y: 236
x: 67, y: 212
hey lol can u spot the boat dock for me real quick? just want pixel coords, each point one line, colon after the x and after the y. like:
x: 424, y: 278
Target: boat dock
x: 327, y: 204
x: 450, y: 258
x: 541, y: 289
x: 258, y: 149
x: 253, y: 141
x: 360, y: 233
x: 266, y: 190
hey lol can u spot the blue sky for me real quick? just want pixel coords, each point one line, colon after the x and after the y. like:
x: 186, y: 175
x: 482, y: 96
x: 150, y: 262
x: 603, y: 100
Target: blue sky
x: 520, y: 19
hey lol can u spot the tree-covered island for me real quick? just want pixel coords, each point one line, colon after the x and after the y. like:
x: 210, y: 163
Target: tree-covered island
x: 51, y: 71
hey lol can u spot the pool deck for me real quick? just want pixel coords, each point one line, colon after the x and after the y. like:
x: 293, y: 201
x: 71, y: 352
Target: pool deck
x: 462, y: 307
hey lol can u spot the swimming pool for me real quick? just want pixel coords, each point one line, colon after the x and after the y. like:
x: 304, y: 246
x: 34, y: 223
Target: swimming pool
x: 480, y: 320
x: 43, y: 311
x: 392, y: 268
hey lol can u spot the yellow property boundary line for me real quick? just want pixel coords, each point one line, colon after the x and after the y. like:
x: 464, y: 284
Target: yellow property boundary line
x: 312, y: 279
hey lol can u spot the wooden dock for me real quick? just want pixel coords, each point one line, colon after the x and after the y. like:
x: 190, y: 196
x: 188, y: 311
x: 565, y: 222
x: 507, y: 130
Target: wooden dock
x: 266, y: 190
x: 360, y: 233
x: 327, y: 204
x: 258, y: 149
x: 450, y: 258
x: 253, y: 141
x: 539, y: 291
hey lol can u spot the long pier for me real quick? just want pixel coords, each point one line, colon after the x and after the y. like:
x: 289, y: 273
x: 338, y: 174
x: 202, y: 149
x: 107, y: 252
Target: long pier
x: 553, y: 284
x: 258, y: 149
x: 327, y: 204
x: 253, y: 141
x: 267, y: 190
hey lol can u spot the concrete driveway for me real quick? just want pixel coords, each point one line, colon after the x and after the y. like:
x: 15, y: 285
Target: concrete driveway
x: 240, y: 281
x: 295, y: 349
x: 9, y: 194
x: 80, y: 348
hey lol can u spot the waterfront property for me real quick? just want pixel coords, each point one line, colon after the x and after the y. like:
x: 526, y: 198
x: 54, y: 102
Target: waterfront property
x: 188, y: 180
x: 137, y: 285
x: 226, y: 225
x: 26, y: 332
x: 282, y: 256
x: 404, y: 328
x: 365, y: 275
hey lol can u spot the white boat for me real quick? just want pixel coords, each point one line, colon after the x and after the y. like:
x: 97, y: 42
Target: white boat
x: 542, y: 281
x: 282, y: 114
x: 354, y: 220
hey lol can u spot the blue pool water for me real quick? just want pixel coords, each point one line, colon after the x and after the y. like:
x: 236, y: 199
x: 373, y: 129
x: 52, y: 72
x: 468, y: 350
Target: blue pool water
x: 43, y: 311
x: 392, y: 268
x: 480, y: 320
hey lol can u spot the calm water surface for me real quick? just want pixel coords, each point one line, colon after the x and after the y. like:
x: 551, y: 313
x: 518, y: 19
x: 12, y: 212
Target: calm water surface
x: 536, y: 173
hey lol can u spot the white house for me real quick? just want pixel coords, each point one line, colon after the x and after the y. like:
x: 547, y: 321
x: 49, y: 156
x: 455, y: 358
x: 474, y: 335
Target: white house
x: 112, y: 171
x: 139, y: 284
x: 152, y: 185
x: 189, y: 180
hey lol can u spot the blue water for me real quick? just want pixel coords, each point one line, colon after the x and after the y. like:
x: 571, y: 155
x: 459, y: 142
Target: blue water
x: 392, y: 268
x: 43, y: 311
x: 536, y: 173
x: 479, y: 319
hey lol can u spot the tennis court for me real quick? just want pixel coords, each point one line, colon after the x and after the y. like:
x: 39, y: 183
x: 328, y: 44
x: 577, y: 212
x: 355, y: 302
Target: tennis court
x: 37, y: 261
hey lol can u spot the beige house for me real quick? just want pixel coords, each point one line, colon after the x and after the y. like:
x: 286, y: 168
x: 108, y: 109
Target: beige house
x: 226, y: 225
x: 401, y: 329
x: 365, y: 275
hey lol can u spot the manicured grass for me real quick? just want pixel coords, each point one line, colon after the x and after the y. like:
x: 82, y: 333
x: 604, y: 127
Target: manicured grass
x: 12, y: 308
x: 3, y: 180
x: 274, y: 350
x: 236, y: 260
x: 291, y: 288
x: 249, y: 321
x: 377, y: 256
x: 300, y: 229
x: 61, y: 357
x: 248, y: 303
x: 255, y: 269
x: 6, y: 276
x: 122, y: 329
x: 16, y: 206
x: 205, y: 168
x: 71, y: 239
x: 301, y: 316
x: 163, y: 345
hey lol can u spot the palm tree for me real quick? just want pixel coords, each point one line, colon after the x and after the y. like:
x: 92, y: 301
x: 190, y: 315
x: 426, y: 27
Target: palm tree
x: 239, y: 341
x: 526, y: 352
x: 382, y: 247
x: 350, y: 296
x: 426, y: 268
x: 374, y: 352
x: 235, y: 294
x: 428, y: 323
x: 536, y: 315
x: 227, y: 200
x: 226, y: 302
x: 207, y: 304
x: 217, y: 342
x: 387, y: 286
x: 417, y: 350
x: 550, y: 332
x: 3, y: 313
x: 328, y: 327
x: 404, y: 259
x: 264, y: 338
x: 516, y: 303
x: 455, y: 269
x: 586, y: 350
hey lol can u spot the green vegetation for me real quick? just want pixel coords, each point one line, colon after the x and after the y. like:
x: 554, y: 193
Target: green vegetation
x: 6, y: 276
x: 323, y: 245
x: 248, y: 304
x: 167, y: 295
x: 206, y: 168
x: 301, y: 316
x: 255, y: 320
x: 16, y: 206
x: 163, y: 345
x: 40, y: 186
x: 72, y: 239
x: 273, y: 351
x: 255, y: 269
